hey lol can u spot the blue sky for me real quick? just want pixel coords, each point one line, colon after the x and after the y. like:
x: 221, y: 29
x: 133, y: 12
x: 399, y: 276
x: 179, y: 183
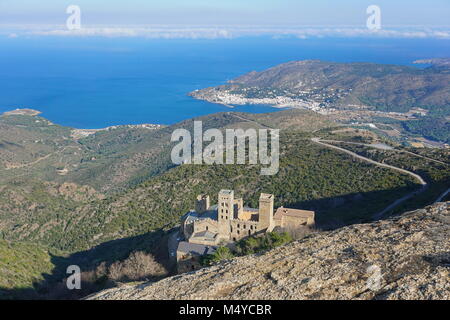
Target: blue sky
x: 227, y: 12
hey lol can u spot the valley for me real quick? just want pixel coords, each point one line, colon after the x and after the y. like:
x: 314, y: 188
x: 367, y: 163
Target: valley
x: 120, y: 184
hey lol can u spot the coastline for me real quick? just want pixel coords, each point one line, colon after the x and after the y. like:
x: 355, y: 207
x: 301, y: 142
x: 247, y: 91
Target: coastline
x: 78, y: 133
x: 280, y: 102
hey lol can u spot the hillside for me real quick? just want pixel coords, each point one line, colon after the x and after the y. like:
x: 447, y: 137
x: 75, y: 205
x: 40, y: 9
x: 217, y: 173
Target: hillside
x: 22, y: 265
x: 342, y: 190
x: 112, y: 159
x: 410, y: 253
x: 406, y: 104
x: 94, y: 219
x: 382, y: 87
x: 73, y: 217
x: 32, y: 147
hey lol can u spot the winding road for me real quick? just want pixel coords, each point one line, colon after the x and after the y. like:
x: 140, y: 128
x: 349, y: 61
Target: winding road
x: 442, y: 196
x: 380, y: 214
x: 386, y: 147
x: 418, y: 178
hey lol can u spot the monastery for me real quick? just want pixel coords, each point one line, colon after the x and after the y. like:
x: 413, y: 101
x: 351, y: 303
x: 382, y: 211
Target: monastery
x: 205, y: 228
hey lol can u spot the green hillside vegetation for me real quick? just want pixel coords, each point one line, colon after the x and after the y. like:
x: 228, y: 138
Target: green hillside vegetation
x: 122, y: 193
x: 112, y: 160
x: 33, y: 148
x: 341, y: 190
x: 250, y: 245
x: 431, y: 128
x: 437, y: 175
x: 22, y: 265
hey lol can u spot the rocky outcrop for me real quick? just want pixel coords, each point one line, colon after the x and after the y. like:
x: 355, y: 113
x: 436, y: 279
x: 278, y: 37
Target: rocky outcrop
x: 406, y: 257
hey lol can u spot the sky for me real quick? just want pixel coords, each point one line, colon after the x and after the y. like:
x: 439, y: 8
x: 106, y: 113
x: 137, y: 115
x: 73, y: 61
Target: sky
x: 226, y: 12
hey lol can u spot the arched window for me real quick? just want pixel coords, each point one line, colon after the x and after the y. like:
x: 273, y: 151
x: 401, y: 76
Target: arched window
x: 249, y: 232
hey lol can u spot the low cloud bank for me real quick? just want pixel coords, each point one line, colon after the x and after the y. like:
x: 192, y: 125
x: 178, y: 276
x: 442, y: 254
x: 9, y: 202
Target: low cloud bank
x: 226, y: 32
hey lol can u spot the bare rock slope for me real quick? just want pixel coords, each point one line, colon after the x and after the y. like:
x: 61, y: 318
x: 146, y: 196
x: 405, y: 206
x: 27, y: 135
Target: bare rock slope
x: 411, y: 255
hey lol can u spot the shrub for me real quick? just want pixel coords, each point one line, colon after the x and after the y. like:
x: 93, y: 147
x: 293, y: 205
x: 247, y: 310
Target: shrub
x: 299, y: 232
x: 138, y: 266
x: 266, y: 242
x: 248, y: 246
x: 222, y: 253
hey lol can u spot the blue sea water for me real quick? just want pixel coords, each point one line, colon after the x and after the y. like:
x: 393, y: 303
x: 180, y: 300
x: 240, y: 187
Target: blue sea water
x: 98, y: 82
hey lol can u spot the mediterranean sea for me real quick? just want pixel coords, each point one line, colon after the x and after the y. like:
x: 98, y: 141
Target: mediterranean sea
x: 89, y: 82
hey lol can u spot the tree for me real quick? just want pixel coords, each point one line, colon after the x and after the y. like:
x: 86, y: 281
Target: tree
x: 222, y: 253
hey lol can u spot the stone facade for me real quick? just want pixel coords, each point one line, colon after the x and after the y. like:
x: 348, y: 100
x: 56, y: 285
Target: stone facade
x: 293, y: 218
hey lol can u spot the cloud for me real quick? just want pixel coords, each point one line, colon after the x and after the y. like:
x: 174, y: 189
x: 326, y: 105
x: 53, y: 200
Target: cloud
x: 228, y: 32
x: 13, y: 35
x: 159, y: 33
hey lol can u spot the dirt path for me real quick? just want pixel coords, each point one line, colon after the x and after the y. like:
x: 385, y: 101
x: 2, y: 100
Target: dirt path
x: 29, y: 164
x: 249, y: 120
x: 380, y: 214
x: 423, y: 157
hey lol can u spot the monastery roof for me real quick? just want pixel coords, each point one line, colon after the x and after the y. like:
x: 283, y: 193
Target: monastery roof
x: 211, y: 213
x: 194, y: 248
x: 205, y: 234
x: 293, y: 213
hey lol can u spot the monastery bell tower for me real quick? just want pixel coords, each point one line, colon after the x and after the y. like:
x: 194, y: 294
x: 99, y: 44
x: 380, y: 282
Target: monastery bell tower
x: 266, y: 212
x: 225, y: 212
